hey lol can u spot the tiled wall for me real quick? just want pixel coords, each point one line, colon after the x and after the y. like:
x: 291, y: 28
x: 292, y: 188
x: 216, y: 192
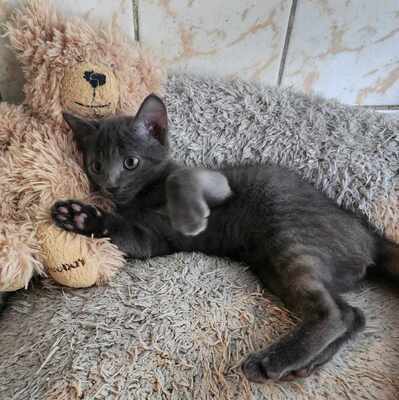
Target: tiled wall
x: 347, y: 49
x: 217, y: 37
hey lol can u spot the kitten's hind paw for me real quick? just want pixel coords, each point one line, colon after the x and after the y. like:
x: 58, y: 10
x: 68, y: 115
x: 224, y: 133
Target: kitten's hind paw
x: 263, y: 366
x: 74, y: 216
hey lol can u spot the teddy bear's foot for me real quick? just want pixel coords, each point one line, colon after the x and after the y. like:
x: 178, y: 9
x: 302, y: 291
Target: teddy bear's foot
x: 74, y: 216
x: 75, y: 260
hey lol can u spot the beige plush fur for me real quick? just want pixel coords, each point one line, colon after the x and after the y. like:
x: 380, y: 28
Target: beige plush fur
x: 39, y: 162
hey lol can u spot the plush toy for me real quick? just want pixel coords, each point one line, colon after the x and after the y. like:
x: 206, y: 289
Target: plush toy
x: 68, y: 66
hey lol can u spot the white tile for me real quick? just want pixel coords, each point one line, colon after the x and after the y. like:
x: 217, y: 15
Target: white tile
x: 96, y: 11
x: 217, y: 37
x: 119, y: 12
x: 347, y: 49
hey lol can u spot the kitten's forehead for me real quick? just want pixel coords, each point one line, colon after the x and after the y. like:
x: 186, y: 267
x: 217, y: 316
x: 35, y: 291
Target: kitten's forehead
x: 119, y: 134
x: 115, y: 126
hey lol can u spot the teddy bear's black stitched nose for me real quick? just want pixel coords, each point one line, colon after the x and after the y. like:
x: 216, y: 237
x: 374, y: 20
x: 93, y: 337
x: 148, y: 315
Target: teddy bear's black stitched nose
x: 95, y: 79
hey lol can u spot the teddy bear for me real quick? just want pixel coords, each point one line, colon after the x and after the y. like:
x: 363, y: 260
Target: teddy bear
x: 70, y: 66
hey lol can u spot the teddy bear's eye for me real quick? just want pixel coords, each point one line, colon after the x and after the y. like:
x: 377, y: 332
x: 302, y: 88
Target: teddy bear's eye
x: 131, y: 163
x: 96, y: 167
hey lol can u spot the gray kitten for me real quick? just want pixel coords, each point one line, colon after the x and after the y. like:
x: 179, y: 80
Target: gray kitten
x: 303, y: 247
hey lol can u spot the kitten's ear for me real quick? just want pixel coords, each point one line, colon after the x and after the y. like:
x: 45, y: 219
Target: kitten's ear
x: 81, y: 128
x: 154, y: 116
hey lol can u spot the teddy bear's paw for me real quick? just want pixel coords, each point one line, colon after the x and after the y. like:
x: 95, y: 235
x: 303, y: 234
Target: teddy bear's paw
x: 74, y: 216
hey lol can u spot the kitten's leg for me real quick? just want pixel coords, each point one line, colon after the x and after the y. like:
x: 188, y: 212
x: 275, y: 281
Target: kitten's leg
x: 133, y: 238
x: 325, y: 321
x: 356, y: 326
x: 191, y: 193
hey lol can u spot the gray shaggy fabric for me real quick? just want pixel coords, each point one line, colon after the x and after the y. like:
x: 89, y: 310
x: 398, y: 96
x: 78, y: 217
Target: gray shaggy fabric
x: 177, y: 327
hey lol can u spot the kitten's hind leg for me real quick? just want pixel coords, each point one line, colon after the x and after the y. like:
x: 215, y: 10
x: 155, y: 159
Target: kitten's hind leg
x: 190, y: 195
x: 355, y: 326
x: 325, y: 321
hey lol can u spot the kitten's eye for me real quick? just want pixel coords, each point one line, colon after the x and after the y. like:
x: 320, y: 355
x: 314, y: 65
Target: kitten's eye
x: 96, y: 167
x: 131, y: 163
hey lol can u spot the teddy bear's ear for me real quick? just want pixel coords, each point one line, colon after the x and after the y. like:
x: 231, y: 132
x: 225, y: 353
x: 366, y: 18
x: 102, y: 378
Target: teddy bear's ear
x: 152, y: 113
x: 29, y: 29
x: 82, y: 129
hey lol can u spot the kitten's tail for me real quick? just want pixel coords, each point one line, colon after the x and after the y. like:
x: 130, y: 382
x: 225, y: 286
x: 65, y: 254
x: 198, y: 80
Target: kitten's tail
x: 387, y: 262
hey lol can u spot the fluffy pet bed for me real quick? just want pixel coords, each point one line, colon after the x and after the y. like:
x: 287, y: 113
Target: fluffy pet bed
x: 177, y: 327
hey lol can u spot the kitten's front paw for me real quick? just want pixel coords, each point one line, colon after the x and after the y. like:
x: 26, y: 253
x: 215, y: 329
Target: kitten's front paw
x: 74, y: 216
x: 190, y: 219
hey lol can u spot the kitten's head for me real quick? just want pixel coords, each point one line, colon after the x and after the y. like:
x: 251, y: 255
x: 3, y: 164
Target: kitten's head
x: 124, y: 154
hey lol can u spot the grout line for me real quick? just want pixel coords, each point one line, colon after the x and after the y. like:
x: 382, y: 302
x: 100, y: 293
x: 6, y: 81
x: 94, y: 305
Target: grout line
x: 136, y: 19
x: 287, y: 38
x: 388, y: 107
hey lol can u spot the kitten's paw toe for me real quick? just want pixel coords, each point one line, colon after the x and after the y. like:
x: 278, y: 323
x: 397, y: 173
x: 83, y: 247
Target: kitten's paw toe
x: 304, y: 372
x: 79, y: 220
x: 68, y: 227
x: 270, y: 365
x: 77, y: 207
x: 267, y: 365
x: 253, y: 369
x: 62, y: 210
x: 299, y: 373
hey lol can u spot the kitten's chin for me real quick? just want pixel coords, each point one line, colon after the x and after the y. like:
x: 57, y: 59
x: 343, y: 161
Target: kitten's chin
x: 120, y: 199
x: 114, y: 197
x: 121, y: 202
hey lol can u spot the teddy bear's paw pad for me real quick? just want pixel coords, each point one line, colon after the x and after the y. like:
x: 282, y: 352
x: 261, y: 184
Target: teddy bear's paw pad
x: 77, y: 217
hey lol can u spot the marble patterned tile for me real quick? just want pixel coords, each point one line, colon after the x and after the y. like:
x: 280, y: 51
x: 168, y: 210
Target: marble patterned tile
x: 118, y: 12
x: 217, y: 37
x: 346, y: 49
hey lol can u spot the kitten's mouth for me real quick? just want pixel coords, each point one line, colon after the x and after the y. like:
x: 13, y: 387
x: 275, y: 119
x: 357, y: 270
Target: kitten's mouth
x: 93, y: 106
x: 116, y: 197
x: 107, y: 193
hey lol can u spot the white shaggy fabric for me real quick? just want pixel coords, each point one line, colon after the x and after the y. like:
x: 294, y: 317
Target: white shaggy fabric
x: 177, y: 327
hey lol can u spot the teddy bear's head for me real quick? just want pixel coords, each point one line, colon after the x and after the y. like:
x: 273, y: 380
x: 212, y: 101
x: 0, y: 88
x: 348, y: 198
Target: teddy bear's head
x: 70, y: 66
x: 90, y: 90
